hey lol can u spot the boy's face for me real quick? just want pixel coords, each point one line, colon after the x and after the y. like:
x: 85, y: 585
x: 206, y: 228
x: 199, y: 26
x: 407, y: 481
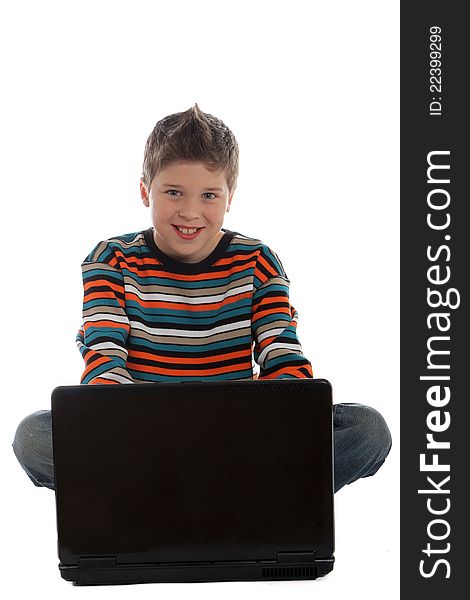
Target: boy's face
x: 186, y: 195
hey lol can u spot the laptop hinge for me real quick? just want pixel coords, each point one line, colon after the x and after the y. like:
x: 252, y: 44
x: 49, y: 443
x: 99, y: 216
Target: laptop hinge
x: 97, y: 562
x: 295, y: 557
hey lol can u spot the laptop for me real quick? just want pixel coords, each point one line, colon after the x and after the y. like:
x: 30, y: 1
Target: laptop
x: 194, y: 481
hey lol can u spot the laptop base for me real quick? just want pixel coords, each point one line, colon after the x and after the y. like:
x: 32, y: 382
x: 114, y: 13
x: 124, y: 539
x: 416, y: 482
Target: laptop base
x: 202, y: 572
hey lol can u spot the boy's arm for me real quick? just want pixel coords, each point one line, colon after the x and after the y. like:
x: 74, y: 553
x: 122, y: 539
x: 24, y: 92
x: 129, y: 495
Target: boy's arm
x: 103, y: 335
x: 274, y: 322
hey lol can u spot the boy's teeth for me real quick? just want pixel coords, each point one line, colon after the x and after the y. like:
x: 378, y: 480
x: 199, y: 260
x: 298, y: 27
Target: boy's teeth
x: 187, y: 231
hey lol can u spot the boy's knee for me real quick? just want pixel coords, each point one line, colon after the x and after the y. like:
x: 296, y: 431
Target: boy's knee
x: 375, y: 431
x: 30, y: 434
x: 367, y: 428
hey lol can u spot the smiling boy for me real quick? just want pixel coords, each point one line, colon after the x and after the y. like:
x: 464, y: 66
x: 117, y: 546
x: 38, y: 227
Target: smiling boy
x: 187, y: 203
x: 187, y: 299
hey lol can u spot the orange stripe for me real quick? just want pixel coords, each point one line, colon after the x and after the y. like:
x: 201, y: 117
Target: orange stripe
x: 94, y: 364
x: 195, y: 277
x: 96, y: 282
x: 133, y: 261
x: 267, y: 341
x: 245, y: 257
x: 112, y: 324
x: 268, y: 311
x: 267, y: 265
x: 289, y: 371
x: 182, y: 361
x: 185, y: 372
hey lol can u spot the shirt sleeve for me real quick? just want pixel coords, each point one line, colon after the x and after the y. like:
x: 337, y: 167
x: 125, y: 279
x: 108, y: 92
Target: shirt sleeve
x: 277, y: 348
x: 102, y: 337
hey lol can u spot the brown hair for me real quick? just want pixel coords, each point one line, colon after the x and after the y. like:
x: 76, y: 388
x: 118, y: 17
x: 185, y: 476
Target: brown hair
x: 193, y: 136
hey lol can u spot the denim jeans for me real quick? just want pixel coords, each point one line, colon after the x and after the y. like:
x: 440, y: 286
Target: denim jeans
x: 362, y: 441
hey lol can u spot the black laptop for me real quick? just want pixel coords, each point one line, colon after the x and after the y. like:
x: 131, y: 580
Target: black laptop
x: 194, y: 481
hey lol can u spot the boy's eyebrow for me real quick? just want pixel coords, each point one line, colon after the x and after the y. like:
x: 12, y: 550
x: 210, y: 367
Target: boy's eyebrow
x: 219, y: 189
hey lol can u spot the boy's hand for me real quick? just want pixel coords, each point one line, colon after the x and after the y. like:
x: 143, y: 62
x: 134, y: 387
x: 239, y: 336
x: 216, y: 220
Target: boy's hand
x: 255, y: 376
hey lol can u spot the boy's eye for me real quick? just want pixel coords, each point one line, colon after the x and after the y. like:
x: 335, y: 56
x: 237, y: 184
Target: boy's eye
x: 175, y: 193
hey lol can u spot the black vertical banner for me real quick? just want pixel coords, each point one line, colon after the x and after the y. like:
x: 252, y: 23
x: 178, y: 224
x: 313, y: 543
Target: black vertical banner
x: 435, y: 357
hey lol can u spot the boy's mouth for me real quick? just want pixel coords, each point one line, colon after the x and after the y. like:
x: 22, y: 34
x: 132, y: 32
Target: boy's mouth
x: 187, y: 233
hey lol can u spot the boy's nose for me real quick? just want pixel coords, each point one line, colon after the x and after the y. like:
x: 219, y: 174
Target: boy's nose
x: 188, y: 216
x: 189, y: 210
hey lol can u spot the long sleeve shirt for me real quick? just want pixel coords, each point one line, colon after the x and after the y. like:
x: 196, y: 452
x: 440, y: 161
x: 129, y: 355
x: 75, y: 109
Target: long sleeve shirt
x: 148, y: 317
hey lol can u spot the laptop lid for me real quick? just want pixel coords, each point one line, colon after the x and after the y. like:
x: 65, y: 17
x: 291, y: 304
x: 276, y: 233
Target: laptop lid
x: 193, y: 472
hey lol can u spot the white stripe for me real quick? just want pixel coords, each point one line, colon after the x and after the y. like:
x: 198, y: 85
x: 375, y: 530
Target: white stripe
x: 160, y: 297
x: 113, y: 377
x: 262, y: 356
x: 190, y: 333
x: 107, y: 346
x: 106, y: 317
x: 270, y: 333
x: 133, y: 240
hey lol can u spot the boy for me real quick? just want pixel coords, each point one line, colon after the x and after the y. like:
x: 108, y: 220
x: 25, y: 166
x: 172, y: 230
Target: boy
x: 188, y: 299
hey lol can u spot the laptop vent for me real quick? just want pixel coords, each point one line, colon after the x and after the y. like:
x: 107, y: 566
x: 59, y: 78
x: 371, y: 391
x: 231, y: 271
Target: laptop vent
x: 289, y: 573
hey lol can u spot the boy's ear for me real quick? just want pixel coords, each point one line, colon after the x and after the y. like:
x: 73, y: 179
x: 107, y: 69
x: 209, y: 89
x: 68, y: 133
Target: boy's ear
x: 229, y: 201
x: 144, y: 194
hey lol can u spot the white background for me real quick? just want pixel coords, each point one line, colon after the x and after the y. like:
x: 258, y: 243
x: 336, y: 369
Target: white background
x: 310, y: 90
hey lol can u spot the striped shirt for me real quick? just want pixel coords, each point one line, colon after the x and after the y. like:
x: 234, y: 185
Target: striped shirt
x: 148, y: 317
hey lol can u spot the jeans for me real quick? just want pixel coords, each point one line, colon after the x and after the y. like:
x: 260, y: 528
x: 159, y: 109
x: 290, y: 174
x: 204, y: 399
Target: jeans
x: 362, y: 441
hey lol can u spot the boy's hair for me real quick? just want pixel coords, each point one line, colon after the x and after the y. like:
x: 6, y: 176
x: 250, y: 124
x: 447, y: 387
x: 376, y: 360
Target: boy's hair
x: 192, y: 136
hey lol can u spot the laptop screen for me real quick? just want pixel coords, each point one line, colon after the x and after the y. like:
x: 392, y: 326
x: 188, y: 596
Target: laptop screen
x: 193, y: 471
